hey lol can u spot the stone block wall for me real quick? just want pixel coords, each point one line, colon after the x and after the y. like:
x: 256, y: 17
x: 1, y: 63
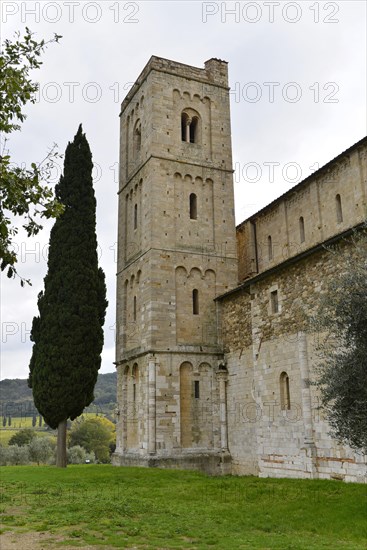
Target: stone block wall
x: 306, y: 215
x: 266, y: 437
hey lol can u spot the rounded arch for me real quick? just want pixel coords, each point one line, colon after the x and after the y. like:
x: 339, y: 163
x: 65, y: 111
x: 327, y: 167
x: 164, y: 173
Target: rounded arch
x: 181, y: 270
x: 205, y: 367
x: 176, y: 93
x: 190, y: 125
x: 209, y: 273
x: 195, y: 272
x: 186, y: 365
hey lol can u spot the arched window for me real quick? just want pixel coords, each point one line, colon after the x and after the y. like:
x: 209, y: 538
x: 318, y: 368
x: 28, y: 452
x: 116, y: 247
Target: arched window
x: 270, y: 248
x: 190, y: 126
x: 193, y: 207
x: 135, y: 216
x: 302, y: 229
x: 285, y: 400
x: 134, y: 308
x: 195, y: 301
x: 137, y: 137
x: 339, y: 211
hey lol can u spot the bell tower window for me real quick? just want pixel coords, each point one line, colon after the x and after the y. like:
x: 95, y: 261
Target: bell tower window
x: 195, y: 301
x: 190, y: 126
x: 193, y: 207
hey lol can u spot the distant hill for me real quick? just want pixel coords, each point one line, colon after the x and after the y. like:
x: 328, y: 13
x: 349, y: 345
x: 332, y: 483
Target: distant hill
x: 16, y: 398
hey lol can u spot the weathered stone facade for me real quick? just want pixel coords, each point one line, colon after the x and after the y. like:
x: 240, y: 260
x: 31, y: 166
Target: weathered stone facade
x: 213, y: 356
x: 177, y: 252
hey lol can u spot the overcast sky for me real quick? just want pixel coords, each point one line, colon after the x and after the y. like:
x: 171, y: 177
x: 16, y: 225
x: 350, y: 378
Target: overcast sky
x: 298, y: 98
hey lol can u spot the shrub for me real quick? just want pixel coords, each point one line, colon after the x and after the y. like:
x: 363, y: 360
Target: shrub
x: 23, y: 437
x: 78, y: 455
x: 41, y: 449
x: 18, y: 455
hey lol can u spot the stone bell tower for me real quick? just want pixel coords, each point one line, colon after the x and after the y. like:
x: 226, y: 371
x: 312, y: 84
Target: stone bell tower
x: 176, y: 253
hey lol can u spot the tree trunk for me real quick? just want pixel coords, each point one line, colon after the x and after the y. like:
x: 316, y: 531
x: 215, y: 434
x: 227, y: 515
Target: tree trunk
x: 61, y: 445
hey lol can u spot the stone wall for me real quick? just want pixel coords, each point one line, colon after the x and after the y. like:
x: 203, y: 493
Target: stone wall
x: 262, y: 346
x: 307, y: 215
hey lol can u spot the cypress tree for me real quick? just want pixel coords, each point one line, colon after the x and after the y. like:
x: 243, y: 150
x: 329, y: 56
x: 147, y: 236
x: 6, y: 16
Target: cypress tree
x: 67, y: 333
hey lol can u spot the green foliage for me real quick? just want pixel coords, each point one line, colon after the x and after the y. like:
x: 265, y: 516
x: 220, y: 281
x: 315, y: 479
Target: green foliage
x: 23, y: 192
x: 342, y: 351
x: 109, y: 507
x: 41, y: 449
x: 4, y: 455
x: 105, y: 390
x: 78, y: 455
x: 94, y: 435
x: 17, y: 455
x: 23, y: 437
x: 67, y: 334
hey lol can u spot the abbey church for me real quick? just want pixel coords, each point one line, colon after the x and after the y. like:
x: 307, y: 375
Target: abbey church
x: 213, y: 355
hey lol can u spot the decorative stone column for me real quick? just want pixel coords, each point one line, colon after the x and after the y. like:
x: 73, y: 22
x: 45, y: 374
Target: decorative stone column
x: 222, y: 376
x: 188, y: 122
x: 309, y: 443
x: 151, y: 405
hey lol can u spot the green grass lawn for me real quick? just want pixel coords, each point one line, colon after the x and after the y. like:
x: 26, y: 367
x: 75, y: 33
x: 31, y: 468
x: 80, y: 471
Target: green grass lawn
x: 165, y: 509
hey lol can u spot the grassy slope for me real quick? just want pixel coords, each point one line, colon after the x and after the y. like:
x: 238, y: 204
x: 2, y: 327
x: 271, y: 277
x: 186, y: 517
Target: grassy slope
x: 151, y: 509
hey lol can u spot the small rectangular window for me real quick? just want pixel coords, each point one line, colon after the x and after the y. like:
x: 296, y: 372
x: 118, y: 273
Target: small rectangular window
x: 196, y: 389
x: 274, y: 301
